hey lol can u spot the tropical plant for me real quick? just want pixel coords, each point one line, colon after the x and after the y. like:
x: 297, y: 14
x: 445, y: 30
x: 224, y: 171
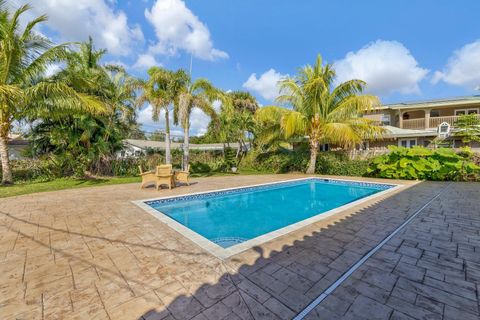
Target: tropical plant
x: 322, y: 112
x: 194, y: 94
x: 282, y: 160
x: 81, y: 142
x: 242, y: 101
x: 77, y: 144
x: 162, y: 90
x: 425, y: 164
x: 85, y: 73
x: 24, y: 57
x: 270, y: 135
x: 468, y: 128
x: 235, y: 121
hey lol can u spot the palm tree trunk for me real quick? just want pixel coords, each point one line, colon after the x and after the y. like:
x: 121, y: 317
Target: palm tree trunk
x: 6, y: 170
x: 186, y: 148
x: 168, y: 154
x: 313, y: 157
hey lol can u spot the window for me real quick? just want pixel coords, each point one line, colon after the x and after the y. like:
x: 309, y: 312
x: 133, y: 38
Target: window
x: 461, y: 112
x: 407, y: 143
x: 444, y: 127
x: 434, y: 113
x: 324, y: 147
x: 385, y: 119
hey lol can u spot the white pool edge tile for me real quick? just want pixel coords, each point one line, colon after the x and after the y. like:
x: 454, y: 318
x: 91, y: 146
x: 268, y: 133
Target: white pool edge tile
x: 224, y: 253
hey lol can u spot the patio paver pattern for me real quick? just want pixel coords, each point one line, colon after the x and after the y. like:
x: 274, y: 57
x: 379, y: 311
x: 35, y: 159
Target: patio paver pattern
x: 92, y: 254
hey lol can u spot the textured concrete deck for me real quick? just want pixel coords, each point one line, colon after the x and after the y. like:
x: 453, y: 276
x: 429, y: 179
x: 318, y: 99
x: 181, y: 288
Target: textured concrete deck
x: 91, y: 254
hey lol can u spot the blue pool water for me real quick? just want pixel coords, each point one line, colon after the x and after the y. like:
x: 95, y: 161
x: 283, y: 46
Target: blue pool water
x: 231, y: 217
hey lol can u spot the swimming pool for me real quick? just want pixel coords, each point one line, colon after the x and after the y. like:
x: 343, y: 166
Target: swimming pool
x: 230, y: 219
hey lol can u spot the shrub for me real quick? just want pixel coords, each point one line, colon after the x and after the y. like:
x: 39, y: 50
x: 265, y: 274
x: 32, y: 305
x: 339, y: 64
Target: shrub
x: 336, y: 163
x: 31, y: 170
x: 425, y: 164
x: 198, y: 167
x: 278, y: 161
x: 284, y: 160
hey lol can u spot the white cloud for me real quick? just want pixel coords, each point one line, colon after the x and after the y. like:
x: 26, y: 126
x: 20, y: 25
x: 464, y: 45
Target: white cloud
x: 386, y: 66
x: 198, y: 121
x: 177, y: 28
x: 266, y: 85
x: 146, y: 61
x: 463, y: 67
x: 75, y: 20
x: 217, y: 104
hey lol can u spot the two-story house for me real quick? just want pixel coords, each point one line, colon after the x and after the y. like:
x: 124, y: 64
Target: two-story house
x: 424, y: 123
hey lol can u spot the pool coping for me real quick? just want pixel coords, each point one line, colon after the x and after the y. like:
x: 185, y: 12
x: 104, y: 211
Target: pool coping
x: 224, y: 253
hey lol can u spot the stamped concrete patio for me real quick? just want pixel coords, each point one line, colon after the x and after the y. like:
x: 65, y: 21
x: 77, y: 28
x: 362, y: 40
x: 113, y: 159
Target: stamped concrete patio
x: 92, y: 254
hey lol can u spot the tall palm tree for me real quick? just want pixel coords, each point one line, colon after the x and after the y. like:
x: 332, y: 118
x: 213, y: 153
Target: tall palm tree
x: 85, y: 73
x: 194, y: 94
x: 322, y: 112
x: 236, y: 119
x: 24, y: 57
x: 162, y: 90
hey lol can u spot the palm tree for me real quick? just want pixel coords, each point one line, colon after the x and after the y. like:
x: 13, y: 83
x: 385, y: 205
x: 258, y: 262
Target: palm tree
x: 161, y: 90
x: 243, y: 101
x: 322, y: 112
x: 197, y: 94
x: 111, y: 83
x: 236, y: 119
x: 24, y: 57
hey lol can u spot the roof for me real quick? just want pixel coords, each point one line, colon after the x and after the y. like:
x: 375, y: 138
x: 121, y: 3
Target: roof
x: 395, y: 132
x: 145, y: 144
x: 445, y: 102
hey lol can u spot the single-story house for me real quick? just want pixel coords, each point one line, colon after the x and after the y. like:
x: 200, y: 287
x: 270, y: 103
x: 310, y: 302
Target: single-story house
x: 135, y: 148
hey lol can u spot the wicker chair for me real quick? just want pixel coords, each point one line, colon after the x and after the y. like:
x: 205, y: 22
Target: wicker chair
x: 148, y: 177
x: 164, y: 176
x: 183, y: 176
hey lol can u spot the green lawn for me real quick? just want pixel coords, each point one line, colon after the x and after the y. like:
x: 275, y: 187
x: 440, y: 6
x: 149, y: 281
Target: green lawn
x: 60, y: 184
x: 69, y: 183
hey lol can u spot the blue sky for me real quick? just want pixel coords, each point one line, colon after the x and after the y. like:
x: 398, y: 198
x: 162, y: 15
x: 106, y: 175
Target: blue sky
x: 405, y: 50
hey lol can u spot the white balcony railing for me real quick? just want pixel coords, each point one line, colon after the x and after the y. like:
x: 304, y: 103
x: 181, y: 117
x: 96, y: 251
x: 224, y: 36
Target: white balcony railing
x: 414, y: 123
x: 434, y: 122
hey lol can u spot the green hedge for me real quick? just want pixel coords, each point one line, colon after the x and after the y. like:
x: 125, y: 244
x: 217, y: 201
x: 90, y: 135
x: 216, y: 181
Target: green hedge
x: 284, y: 160
x: 336, y: 163
x: 400, y: 163
x: 53, y: 167
x: 280, y: 161
x: 425, y: 164
x: 32, y: 170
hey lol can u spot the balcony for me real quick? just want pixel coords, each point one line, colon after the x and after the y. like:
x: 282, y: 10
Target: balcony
x: 433, y: 122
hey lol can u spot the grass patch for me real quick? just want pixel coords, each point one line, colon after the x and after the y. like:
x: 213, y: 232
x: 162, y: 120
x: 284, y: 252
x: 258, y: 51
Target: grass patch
x: 60, y: 184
